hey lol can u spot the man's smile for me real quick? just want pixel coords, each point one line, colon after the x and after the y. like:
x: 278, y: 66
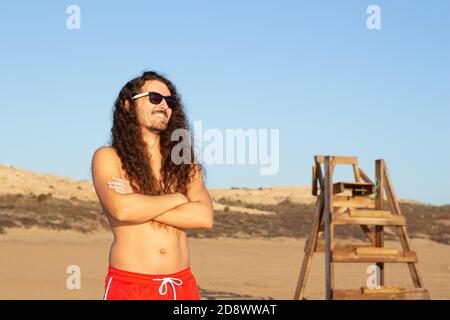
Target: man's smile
x: 159, y: 114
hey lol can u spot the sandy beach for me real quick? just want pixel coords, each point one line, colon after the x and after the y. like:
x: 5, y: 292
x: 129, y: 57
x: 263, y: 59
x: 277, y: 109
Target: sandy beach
x: 254, y: 250
x: 35, y: 260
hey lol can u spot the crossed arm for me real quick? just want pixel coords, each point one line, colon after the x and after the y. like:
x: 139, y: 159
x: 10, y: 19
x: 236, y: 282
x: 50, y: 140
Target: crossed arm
x: 197, y: 213
x: 177, y: 210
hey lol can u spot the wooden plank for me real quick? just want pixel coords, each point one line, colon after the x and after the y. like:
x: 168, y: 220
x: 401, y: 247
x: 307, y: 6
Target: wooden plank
x: 382, y: 289
x: 341, y: 210
x: 357, y: 188
x: 375, y: 250
x: 320, y: 176
x: 341, y: 246
x: 392, y: 197
x: 356, y: 172
x: 369, y: 234
x: 338, y: 159
x: 403, y: 235
x: 379, y: 205
x: 353, y: 202
x: 370, y: 213
x: 365, y: 177
x: 333, y: 164
x: 329, y: 272
x: 402, y: 257
x: 356, y: 294
x: 344, y: 218
x: 314, y: 181
x: 311, y: 244
x: 379, y: 242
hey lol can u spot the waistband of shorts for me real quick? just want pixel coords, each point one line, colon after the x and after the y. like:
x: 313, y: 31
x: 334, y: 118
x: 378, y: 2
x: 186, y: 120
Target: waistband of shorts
x: 184, y: 274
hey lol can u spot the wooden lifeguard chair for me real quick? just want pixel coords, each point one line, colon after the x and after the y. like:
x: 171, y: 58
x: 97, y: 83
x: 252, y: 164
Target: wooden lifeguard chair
x: 360, y: 202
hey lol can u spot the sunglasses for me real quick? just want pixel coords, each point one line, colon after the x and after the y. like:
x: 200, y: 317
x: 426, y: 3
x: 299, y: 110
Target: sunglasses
x: 156, y: 98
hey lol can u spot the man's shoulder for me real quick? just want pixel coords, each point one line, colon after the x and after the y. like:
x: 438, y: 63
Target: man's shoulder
x: 105, y: 153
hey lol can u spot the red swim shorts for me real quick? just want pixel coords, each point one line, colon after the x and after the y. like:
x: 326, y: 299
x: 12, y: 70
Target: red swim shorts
x: 126, y: 285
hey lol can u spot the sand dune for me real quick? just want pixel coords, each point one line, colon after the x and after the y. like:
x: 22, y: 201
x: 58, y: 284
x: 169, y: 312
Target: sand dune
x: 21, y: 181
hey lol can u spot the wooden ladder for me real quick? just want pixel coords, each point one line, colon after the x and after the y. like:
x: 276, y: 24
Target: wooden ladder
x: 360, y: 202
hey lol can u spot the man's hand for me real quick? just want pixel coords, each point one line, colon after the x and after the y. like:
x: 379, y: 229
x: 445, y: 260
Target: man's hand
x: 120, y: 186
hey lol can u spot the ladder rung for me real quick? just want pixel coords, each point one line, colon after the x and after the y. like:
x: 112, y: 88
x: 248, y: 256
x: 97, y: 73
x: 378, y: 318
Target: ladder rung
x: 375, y: 250
x: 345, y: 218
x: 358, y: 294
x: 353, y: 202
x: 382, y: 289
x: 341, y: 246
x: 370, y: 213
x: 348, y: 256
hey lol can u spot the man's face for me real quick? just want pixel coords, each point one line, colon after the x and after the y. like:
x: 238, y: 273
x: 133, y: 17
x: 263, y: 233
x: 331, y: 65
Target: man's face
x: 151, y: 116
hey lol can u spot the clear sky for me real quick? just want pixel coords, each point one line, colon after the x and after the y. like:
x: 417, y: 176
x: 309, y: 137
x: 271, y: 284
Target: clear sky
x: 311, y: 69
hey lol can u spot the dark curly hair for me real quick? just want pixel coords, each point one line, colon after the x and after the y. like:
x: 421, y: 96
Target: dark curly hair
x: 127, y: 140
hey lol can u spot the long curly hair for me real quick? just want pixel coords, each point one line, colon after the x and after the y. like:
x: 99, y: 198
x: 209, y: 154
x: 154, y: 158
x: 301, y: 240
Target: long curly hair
x: 127, y: 140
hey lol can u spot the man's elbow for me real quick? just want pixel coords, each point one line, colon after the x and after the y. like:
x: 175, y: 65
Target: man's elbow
x: 119, y: 211
x: 209, y: 221
x: 119, y: 214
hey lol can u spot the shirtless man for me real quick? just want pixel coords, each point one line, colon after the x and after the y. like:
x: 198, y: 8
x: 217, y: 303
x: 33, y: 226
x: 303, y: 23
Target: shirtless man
x: 148, y: 199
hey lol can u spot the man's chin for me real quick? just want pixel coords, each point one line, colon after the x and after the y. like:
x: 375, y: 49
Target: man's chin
x: 158, y: 129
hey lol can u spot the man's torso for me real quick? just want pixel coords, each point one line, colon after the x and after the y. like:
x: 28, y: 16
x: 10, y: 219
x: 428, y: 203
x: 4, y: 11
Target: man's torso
x: 150, y: 247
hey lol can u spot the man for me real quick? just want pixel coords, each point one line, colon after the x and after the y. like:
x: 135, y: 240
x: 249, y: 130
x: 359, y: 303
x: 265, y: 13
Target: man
x: 148, y: 198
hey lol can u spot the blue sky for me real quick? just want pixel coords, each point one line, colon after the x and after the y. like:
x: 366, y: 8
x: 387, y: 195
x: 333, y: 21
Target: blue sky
x: 312, y: 69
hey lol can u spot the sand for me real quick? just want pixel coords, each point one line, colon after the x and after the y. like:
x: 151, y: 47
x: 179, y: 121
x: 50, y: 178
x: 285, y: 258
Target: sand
x: 34, y: 260
x: 34, y: 263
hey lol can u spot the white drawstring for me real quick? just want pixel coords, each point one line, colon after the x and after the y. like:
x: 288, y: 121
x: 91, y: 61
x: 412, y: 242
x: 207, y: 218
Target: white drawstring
x: 107, y: 288
x: 172, y: 281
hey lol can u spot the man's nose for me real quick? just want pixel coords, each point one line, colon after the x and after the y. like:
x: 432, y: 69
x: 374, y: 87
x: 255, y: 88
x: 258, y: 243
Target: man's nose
x: 164, y: 104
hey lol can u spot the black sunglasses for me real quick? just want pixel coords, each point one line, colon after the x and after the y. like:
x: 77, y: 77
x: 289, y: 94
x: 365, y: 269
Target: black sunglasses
x: 156, y: 98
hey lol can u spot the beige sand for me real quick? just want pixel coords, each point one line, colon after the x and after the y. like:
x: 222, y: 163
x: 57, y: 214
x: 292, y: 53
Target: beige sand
x: 34, y: 262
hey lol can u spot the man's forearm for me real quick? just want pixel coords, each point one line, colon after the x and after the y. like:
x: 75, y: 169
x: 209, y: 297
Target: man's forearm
x: 139, y: 208
x: 191, y: 215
